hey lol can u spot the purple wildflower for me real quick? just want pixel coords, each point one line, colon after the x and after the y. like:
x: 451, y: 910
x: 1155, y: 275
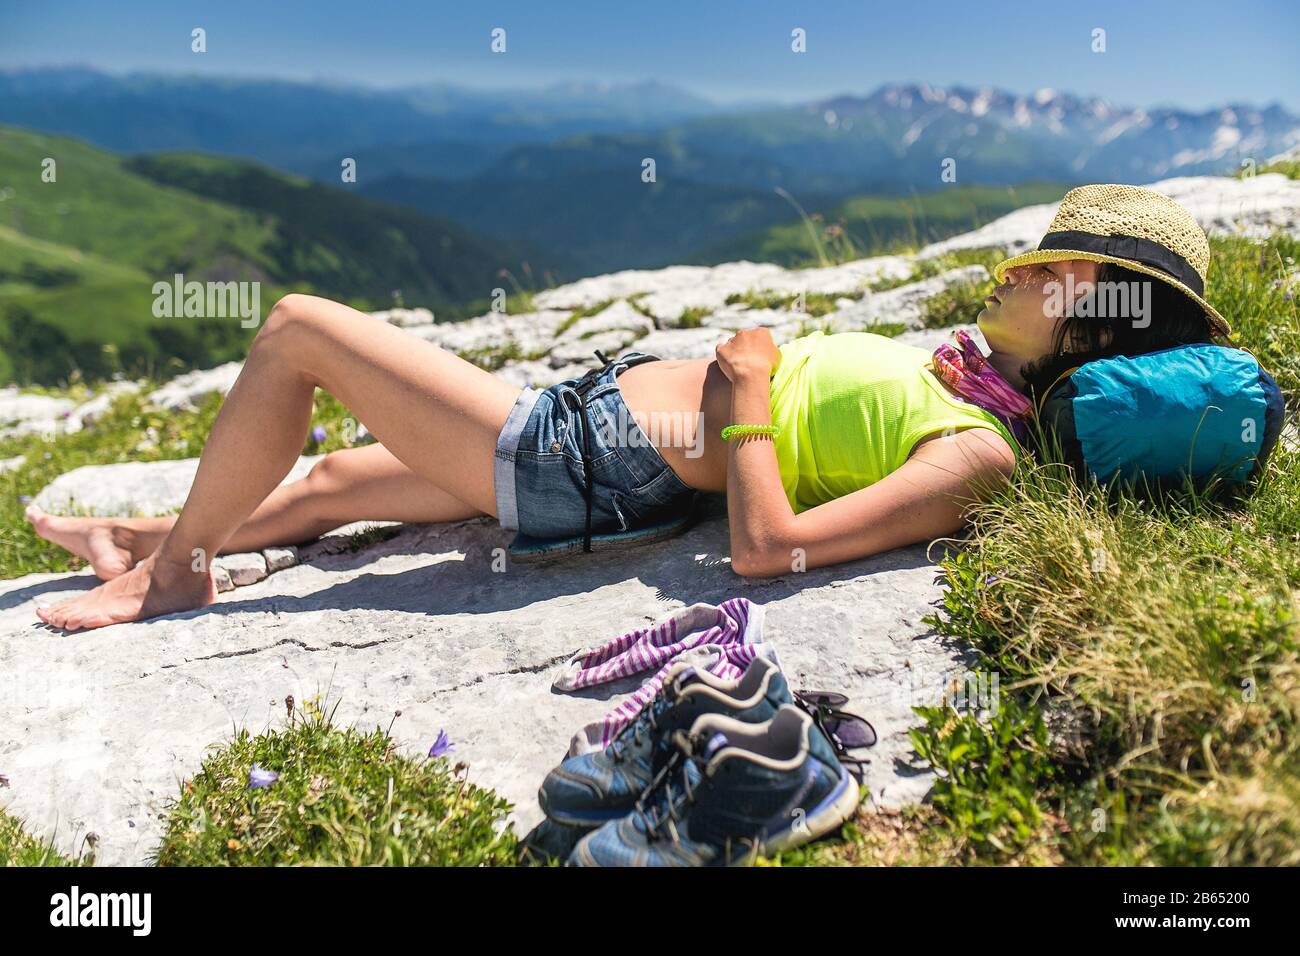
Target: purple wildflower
x: 24, y: 499
x: 259, y: 778
x: 991, y: 580
x: 441, y: 746
x: 318, y: 434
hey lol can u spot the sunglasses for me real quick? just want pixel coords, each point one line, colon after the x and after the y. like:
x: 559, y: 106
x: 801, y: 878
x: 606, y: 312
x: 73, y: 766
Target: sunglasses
x: 846, y: 731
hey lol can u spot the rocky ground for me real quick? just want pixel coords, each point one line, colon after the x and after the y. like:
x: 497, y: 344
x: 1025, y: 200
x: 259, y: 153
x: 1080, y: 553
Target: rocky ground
x: 97, y: 729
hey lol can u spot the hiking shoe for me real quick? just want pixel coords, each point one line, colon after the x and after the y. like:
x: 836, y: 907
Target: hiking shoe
x: 730, y: 792
x: 590, y: 789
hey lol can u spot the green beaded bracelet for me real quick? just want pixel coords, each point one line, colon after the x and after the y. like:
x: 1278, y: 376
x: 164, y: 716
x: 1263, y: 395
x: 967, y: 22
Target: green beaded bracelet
x: 740, y: 431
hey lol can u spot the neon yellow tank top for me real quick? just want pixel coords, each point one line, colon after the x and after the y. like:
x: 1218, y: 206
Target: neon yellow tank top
x: 851, y: 406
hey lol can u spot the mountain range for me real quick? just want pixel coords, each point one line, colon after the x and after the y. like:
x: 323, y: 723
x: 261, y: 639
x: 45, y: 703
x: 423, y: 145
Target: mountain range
x: 243, y: 178
x: 560, y: 168
x: 894, y: 136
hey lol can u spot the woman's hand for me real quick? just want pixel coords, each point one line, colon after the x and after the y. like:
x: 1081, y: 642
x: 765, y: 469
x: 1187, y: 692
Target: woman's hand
x: 749, y: 352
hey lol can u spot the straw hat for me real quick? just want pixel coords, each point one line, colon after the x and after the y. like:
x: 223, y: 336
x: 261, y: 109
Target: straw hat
x: 1139, y: 229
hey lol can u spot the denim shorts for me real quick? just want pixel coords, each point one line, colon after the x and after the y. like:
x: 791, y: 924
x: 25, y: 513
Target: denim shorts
x: 539, y: 474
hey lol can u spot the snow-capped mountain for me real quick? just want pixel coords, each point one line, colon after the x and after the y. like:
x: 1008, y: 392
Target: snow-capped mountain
x: 1085, y: 138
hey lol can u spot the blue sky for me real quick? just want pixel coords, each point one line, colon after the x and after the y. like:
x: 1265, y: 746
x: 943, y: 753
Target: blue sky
x: 1192, y: 53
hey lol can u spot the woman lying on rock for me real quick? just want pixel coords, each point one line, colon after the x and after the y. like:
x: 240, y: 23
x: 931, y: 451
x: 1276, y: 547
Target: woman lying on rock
x: 852, y: 443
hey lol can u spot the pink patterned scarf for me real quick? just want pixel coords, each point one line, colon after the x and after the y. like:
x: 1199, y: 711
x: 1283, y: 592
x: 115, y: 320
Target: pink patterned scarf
x: 971, y: 376
x: 723, y: 640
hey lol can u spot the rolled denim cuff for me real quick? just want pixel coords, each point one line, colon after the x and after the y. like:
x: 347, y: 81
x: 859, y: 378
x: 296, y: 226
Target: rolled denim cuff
x: 503, y: 463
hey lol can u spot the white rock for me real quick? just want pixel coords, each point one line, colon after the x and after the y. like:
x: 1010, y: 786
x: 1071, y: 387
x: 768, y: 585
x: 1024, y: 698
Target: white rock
x: 221, y: 578
x: 905, y: 303
x: 850, y: 277
x: 1255, y: 206
x: 185, y: 392
x: 539, y: 374
x: 732, y: 318
x: 619, y: 315
x: 531, y: 332
x: 87, y: 412
x: 931, y: 339
x: 404, y: 317
x: 341, y: 541
x: 244, y: 568
x: 585, y: 293
x: 1290, y: 436
x: 1286, y: 156
x: 577, y: 351
x: 9, y: 464
x: 667, y: 293
x: 24, y: 413
x: 147, y: 488
x: 104, y: 725
x: 669, y: 306
x: 683, y: 343
x: 277, y: 559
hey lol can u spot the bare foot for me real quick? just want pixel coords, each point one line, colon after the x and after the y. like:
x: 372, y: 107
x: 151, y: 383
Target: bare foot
x: 101, y: 541
x: 151, y: 588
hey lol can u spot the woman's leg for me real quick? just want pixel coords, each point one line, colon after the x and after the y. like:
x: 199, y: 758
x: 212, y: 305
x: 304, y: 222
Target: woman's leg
x: 435, y: 412
x: 356, y: 484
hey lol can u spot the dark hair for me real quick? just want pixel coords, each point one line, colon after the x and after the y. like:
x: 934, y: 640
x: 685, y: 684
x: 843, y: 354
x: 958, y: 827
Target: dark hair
x: 1172, y: 318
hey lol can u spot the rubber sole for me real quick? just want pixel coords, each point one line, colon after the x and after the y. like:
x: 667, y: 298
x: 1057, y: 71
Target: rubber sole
x: 840, y: 805
x: 595, y: 820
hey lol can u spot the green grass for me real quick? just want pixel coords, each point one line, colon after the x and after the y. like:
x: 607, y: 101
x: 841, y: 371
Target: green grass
x: 889, y: 329
x: 81, y: 255
x: 815, y: 303
x: 876, y: 225
x: 19, y: 848
x: 364, y: 538
x: 958, y: 304
x: 1287, y: 167
x: 961, y: 302
x: 693, y: 317
x: 635, y: 302
x: 1148, y: 655
x: 344, y: 797
x: 594, y: 309
x: 128, y: 432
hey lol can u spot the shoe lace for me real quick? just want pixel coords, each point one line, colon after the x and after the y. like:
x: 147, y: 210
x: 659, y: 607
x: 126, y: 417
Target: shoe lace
x: 646, y: 723
x: 660, y: 806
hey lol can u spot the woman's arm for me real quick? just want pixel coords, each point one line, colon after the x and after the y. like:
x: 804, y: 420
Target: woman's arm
x: 925, y: 499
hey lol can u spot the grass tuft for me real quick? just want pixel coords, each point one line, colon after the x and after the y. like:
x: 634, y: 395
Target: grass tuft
x: 19, y: 848
x: 344, y: 797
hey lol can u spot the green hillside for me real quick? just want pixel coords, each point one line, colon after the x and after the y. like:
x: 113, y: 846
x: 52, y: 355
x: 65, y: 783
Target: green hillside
x: 604, y: 220
x: 343, y: 244
x: 866, y: 225
x: 79, y: 256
